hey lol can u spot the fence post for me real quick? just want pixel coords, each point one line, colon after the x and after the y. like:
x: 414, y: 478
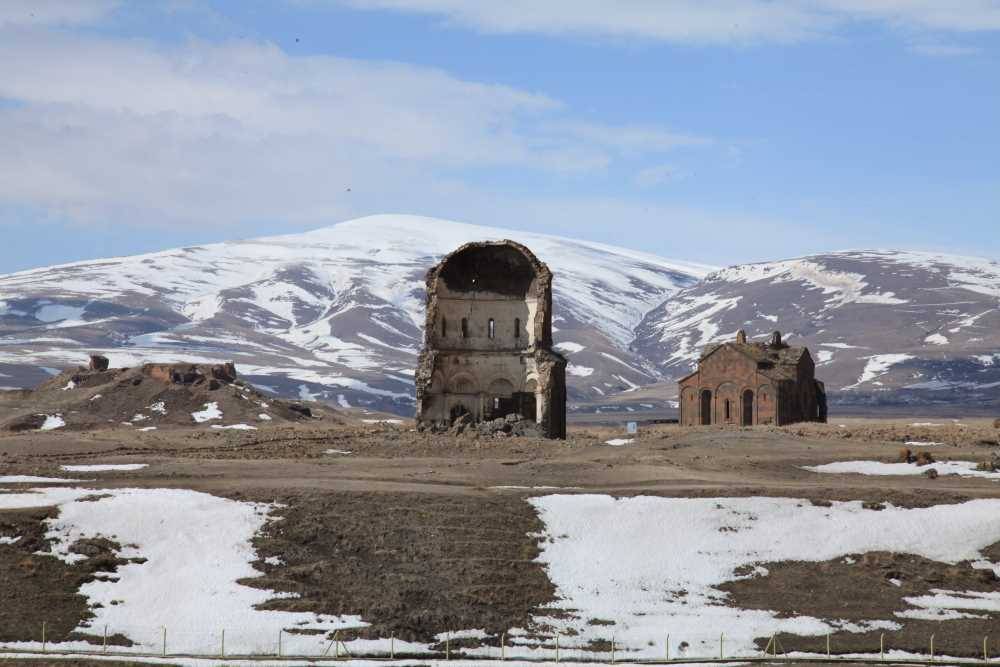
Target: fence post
x: 828, y: 645
x: 164, y: 652
x: 666, y: 647
x: 105, y: 638
x: 503, y: 649
x: 279, y: 642
x: 932, y: 648
x: 447, y: 645
x: 986, y: 651
x: 43, y: 636
x: 612, y: 647
x: 557, y: 648
x: 722, y: 643
x: 881, y: 647
x: 222, y: 649
x: 392, y: 646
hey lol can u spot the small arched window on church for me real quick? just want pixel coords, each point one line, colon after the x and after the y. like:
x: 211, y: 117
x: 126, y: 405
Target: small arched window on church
x: 465, y: 328
x: 492, y: 328
x: 727, y: 409
x: 444, y: 327
x: 517, y: 327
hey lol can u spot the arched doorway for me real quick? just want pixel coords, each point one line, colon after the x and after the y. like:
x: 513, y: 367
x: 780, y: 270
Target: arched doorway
x: 499, y: 395
x: 706, y: 407
x: 748, y: 407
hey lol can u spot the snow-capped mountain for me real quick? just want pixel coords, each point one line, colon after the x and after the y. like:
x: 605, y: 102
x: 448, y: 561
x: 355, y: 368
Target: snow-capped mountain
x: 335, y: 314
x: 883, y: 326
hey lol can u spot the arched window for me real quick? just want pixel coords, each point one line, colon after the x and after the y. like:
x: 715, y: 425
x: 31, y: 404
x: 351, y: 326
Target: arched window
x: 465, y: 328
x: 492, y: 328
x: 444, y: 327
x: 727, y: 409
x: 517, y: 327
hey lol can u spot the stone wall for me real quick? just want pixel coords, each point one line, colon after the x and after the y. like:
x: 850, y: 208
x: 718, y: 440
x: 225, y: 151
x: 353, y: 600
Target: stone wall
x: 488, y: 340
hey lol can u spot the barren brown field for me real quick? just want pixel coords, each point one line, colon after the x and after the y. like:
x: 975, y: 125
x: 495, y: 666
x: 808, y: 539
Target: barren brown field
x: 424, y: 533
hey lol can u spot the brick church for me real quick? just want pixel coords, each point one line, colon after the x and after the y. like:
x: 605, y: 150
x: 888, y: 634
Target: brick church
x: 743, y: 383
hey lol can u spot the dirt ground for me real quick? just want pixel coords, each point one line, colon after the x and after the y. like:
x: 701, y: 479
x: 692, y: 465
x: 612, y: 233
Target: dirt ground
x: 429, y: 533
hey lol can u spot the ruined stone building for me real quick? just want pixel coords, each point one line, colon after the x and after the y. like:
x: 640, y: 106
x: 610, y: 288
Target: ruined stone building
x: 744, y: 383
x: 488, y: 340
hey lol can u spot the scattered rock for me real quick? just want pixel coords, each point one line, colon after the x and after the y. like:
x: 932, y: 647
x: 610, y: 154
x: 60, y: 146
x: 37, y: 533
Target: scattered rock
x: 931, y: 473
x: 301, y: 410
x: 99, y: 363
x: 993, y: 465
x: 225, y: 372
x: 24, y: 423
x: 511, y: 425
x: 461, y: 423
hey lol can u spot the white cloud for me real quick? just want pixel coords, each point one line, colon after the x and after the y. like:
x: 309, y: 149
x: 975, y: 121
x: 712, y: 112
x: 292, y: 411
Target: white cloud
x: 111, y: 130
x: 936, y: 50
x: 41, y: 12
x: 699, y: 21
x: 658, y: 175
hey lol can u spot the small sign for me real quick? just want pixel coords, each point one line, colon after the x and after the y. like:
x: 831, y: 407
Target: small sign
x: 632, y: 428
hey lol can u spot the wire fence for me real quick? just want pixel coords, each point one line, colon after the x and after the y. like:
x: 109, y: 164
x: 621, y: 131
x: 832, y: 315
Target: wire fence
x: 322, y: 645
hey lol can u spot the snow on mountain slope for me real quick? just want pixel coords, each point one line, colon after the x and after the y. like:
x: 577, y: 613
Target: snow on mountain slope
x: 882, y: 325
x: 335, y: 313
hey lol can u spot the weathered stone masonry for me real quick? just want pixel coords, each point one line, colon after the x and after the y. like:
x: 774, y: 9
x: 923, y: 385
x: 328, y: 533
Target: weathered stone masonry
x: 743, y: 383
x: 488, y: 340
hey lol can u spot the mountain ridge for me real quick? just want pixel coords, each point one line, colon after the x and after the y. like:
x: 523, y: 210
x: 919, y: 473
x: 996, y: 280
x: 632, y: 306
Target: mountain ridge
x: 336, y: 314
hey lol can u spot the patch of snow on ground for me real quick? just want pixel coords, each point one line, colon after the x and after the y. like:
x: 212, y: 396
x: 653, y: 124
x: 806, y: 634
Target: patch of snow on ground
x: 235, y: 427
x: 936, y: 339
x: 844, y: 287
x: 824, y: 356
x: 944, y: 605
x: 878, y: 365
x: 264, y: 417
x: 51, y: 313
x: 962, y: 468
x: 569, y: 347
x: 9, y: 540
x: 922, y: 443
x: 579, y: 371
x: 69, y: 385
x: 337, y: 451
x: 653, y: 564
x: 95, y: 397
x: 196, y: 547
x: 618, y: 442
x: 159, y: 407
x: 52, y: 422
x: 382, y: 421
x: 102, y: 467
x: 210, y: 413
x: 146, y: 429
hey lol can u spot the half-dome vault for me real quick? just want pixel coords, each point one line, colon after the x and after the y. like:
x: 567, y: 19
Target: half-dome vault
x: 488, y: 340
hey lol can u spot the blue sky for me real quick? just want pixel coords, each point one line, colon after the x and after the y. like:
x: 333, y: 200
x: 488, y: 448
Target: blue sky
x: 713, y: 131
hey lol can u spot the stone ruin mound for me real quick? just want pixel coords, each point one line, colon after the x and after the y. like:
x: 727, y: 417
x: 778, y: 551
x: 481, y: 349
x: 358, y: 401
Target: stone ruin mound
x: 513, y: 425
x: 148, y: 397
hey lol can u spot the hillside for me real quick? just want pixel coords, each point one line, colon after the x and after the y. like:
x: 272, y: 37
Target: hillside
x: 335, y: 314
x: 883, y: 326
